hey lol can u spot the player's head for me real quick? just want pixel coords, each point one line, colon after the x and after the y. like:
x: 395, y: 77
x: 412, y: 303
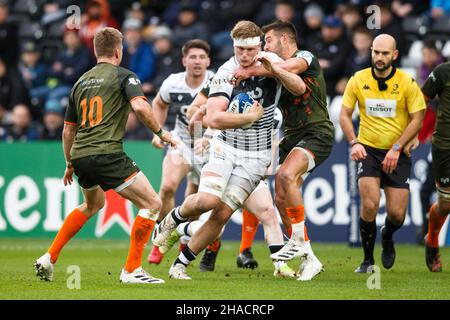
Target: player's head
x: 279, y: 35
x: 108, y: 44
x: 196, y: 57
x: 384, y: 52
x: 246, y: 37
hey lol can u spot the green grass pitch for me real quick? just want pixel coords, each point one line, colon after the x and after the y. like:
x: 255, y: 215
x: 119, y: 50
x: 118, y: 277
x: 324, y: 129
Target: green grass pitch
x: 100, y: 262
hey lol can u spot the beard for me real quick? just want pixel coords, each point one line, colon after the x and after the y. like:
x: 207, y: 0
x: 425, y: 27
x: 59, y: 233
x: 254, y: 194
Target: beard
x: 381, y: 66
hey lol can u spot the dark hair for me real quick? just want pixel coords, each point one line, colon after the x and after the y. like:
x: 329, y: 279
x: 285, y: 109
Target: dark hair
x: 431, y: 44
x: 195, y: 43
x: 362, y: 29
x: 282, y: 27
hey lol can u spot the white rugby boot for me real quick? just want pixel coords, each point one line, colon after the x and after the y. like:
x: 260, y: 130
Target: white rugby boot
x: 44, y: 267
x: 178, y: 271
x: 292, y: 249
x: 282, y: 270
x: 139, y: 276
x: 163, y: 230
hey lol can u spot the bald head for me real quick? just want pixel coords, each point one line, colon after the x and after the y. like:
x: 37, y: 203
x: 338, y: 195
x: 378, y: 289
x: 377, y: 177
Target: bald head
x: 385, y: 41
x: 384, y: 52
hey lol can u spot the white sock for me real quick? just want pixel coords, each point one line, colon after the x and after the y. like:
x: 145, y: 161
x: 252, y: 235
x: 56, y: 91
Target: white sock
x: 298, y: 231
x: 151, y: 214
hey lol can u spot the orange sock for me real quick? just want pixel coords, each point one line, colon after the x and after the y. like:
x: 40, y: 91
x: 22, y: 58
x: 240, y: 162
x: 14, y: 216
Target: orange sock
x: 214, y: 246
x: 249, y: 227
x: 434, y: 227
x: 140, y: 234
x: 73, y: 223
x: 296, y: 214
x: 306, y: 234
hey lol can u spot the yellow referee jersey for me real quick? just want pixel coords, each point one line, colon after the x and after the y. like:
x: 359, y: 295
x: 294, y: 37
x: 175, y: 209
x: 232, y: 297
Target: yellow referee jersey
x: 384, y: 115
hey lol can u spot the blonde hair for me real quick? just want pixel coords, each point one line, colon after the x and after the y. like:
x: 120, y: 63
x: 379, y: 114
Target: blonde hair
x: 106, y: 41
x: 245, y: 29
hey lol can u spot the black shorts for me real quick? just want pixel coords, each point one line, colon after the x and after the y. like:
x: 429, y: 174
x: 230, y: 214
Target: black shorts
x: 441, y: 166
x: 371, y: 167
x: 109, y: 171
x: 319, y: 144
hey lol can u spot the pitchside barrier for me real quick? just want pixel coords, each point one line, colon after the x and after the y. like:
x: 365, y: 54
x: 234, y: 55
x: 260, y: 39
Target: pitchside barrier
x: 34, y: 201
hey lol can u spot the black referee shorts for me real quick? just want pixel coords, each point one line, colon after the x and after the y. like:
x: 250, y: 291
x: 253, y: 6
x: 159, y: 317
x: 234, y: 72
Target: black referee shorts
x: 371, y: 167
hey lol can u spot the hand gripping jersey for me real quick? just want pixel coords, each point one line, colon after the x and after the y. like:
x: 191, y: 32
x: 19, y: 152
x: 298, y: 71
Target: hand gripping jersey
x: 178, y: 95
x: 265, y: 90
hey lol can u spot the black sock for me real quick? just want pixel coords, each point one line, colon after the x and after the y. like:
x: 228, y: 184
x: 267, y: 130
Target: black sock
x: 368, y: 235
x: 186, y: 257
x: 177, y: 217
x: 275, y: 248
x: 185, y: 230
x: 390, y: 228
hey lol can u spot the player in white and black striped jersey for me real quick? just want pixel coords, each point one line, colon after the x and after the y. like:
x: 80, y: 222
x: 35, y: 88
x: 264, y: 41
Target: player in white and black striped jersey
x: 238, y: 157
x: 175, y: 95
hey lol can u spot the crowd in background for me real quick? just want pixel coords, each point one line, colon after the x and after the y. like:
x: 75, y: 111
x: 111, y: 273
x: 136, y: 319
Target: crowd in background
x: 42, y: 55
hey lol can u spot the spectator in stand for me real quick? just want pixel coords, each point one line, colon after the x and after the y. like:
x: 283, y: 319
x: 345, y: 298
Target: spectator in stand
x: 97, y: 16
x: 135, y: 130
x: 404, y: 8
x: 359, y: 58
x: 432, y: 57
x: 22, y: 129
x: 332, y: 51
x: 168, y: 60
x: 12, y: 89
x: 53, y: 121
x: 351, y: 17
x: 390, y: 25
x: 313, y: 22
x: 67, y: 68
x: 8, y: 36
x: 440, y: 8
x: 283, y: 10
x: 34, y: 74
x: 138, y: 56
x: 188, y: 26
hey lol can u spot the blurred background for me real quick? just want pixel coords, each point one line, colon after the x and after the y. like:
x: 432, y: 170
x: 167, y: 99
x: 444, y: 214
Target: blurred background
x: 41, y: 57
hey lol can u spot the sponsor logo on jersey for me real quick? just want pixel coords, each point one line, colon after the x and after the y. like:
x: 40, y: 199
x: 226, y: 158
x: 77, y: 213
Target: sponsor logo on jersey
x: 383, y: 108
x: 134, y: 81
x: 366, y: 87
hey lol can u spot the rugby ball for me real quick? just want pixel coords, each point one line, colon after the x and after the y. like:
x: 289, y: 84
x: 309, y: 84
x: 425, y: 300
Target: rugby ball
x: 240, y: 104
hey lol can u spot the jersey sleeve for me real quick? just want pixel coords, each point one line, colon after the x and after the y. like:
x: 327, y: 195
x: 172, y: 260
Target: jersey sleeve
x: 164, y: 91
x: 414, y: 97
x: 306, y: 55
x: 71, y: 116
x: 220, y: 85
x: 349, y: 98
x: 434, y: 83
x: 131, y: 87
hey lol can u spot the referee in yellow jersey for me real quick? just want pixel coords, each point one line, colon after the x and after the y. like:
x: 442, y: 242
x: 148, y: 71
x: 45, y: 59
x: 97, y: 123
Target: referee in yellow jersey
x: 391, y: 107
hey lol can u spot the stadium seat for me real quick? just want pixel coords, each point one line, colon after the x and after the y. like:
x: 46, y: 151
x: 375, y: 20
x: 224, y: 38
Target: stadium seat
x: 441, y: 25
x: 30, y: 31
x: 414, y: 25
x: 55, y: 29
x: 25, y: 6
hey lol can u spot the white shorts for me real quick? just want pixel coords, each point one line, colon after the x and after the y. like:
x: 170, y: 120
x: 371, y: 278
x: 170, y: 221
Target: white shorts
x: 236, y: 173
x: 184, y: 150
